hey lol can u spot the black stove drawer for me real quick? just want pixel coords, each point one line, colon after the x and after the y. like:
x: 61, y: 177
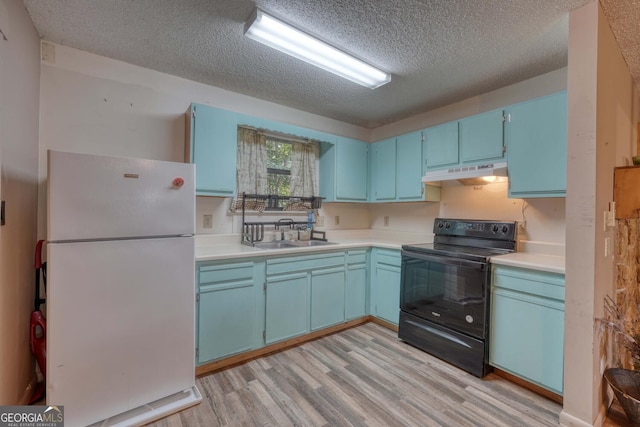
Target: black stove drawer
x: 465, y: 352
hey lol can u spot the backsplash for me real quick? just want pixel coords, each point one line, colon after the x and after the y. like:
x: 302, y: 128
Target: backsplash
x: 543, y: 218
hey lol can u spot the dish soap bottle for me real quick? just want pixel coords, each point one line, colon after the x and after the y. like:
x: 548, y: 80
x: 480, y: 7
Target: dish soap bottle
x: 310, y: 219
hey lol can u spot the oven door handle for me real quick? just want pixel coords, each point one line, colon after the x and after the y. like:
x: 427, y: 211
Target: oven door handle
x: 444, y: 260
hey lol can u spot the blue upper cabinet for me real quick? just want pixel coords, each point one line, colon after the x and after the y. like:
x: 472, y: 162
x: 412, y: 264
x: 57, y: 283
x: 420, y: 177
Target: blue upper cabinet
x: 536, y: 140
x: 384, y: 170
x: 409, y: 166
x: 440, y: 146
x: 481, y: 137
x: 396, y: 171
x: 344, y: 170
x: 211, y: 143
x: 352, y: 169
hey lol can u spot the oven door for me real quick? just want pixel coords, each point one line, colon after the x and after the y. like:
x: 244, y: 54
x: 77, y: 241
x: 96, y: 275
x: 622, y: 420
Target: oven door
x: 449, y: 291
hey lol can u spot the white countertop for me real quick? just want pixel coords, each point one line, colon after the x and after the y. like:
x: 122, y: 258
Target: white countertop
x: 228, y: 246
x: 534, y: 255
x: 550, y: 263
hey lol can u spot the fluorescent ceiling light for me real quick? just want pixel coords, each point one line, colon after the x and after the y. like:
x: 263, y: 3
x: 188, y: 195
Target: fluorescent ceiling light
x: 285, y: 38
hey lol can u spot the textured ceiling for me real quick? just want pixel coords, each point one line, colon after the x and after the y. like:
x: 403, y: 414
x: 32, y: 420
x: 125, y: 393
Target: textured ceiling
x: 438, y: 52
x: 624, y: 20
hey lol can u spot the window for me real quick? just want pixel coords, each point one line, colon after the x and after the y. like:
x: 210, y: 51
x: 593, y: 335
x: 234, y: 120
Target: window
x: 278, y: 167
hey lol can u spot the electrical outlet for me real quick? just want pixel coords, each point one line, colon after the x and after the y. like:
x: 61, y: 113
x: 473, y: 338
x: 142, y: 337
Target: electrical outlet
x: 337, y: 220
x: 207, y: 221
x: 386, y: 221
x: 320, y: 221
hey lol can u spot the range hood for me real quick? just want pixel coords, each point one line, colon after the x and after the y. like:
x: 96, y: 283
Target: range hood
x: 464, y: 172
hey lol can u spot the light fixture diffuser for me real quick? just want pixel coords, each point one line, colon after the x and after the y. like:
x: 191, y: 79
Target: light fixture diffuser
x: 285, y: 38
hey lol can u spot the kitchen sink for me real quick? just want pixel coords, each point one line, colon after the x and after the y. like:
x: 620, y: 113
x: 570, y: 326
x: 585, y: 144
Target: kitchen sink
x: 307, y: 243
x: 274, y: 245
x: 291, y: 244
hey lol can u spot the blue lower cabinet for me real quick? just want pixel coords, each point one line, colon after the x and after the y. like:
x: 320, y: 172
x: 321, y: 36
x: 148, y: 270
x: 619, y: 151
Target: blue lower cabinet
x: 303, y: 293
x: 385, y: 285
x: 356, y: 291
x: 355, y: 298
x: 527, y: 314
x: 287, y: 306
x: 226, y: 308
x: 327, y: 297
x: 388, y: 293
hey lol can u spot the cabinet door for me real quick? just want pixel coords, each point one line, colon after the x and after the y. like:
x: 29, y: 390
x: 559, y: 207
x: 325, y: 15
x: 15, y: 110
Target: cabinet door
x: 440, y: 146
x: 409, y: 166
x: 352, y: 169
x: 225, y: 320
x: 286, y: 306
x: 213, y: 141
x: 356, y: 291
x: 534, y: 326
x: 327, y: 297
x: 481, y: 137
x: 536, y: 139
x: 388, y: 293
x: 385, y: 170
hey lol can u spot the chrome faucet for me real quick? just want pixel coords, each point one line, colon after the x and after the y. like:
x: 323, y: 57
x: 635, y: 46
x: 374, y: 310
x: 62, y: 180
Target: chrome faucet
x: 281, y: 222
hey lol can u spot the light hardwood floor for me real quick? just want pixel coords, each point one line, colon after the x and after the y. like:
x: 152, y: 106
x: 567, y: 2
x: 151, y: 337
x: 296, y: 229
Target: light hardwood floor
x: 361, y: 376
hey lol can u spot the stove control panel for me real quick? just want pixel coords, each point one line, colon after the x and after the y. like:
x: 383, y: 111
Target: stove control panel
x: 501, y: 230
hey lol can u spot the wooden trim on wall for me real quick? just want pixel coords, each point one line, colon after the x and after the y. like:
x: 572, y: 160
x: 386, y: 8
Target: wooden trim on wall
x: 384, y: 323
x: 239, y: 359
x: 526, y: 384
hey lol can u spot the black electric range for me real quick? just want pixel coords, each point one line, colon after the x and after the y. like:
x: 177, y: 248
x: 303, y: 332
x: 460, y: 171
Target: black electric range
x: 445, y: 286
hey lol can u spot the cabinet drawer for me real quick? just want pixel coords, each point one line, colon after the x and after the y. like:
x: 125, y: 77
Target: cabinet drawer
x: 211, y: 274
x: 303, y: 263
x: 538, y: 283
x: 388, y: 257
x: 357, y: 257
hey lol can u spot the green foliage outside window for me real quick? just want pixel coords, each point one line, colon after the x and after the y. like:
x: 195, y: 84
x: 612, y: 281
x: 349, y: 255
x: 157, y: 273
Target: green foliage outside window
x: 278, y: 167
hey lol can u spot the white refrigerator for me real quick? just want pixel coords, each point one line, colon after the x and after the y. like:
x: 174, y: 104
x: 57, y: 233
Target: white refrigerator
x: 121, y: 288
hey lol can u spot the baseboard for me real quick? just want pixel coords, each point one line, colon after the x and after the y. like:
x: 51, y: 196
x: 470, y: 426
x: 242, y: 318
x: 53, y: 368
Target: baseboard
x: 277, y: 347
x: 384, y: 323
x: 229, y: 362
x: 568, y: 420
x: 530, y: 386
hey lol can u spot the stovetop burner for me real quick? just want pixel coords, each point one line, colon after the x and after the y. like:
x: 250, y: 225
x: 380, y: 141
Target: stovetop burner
x: 456, y: 251
x: 469, y: 239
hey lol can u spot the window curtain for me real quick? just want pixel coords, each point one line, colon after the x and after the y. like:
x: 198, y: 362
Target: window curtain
x: 303, y: 169
x: 251, y: 162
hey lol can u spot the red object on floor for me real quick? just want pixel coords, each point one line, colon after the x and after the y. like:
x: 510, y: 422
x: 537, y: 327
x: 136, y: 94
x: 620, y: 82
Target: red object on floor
x: 38, y: 328
x: 39, y: 340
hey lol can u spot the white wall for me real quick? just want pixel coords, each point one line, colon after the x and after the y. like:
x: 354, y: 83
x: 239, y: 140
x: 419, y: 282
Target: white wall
x: 19, y: 86
x: 545, y: 218
x: 99, y: 105
x: 602, y: 117
x: 535, y: 87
